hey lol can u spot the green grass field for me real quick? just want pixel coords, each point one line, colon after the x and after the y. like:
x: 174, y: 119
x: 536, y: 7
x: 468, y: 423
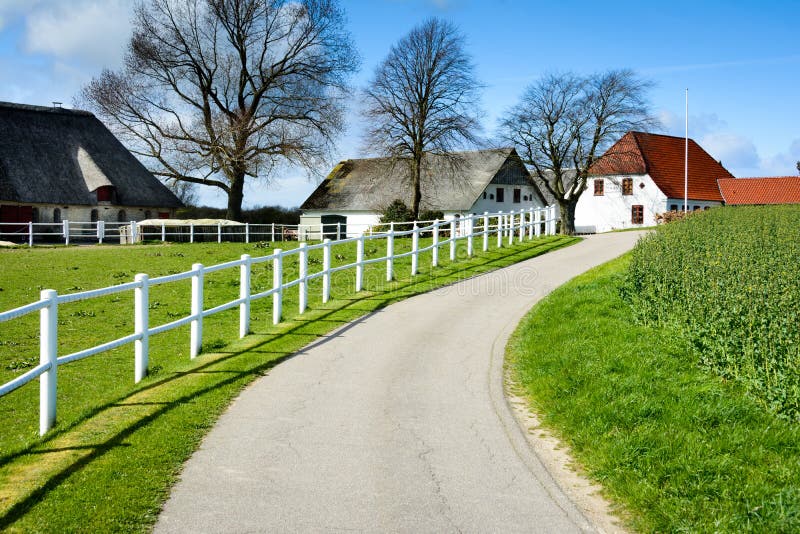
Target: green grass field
x: 678, y: 448
x: 117, y: 447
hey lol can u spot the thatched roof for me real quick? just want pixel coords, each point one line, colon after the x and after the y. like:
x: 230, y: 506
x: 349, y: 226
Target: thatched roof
x: 451, y: 182
x: 61, y: 156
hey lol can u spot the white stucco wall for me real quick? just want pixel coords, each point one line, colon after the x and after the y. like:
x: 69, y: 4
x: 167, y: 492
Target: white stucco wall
x: 107, y: 213
x: 612, y: 210
x: 491, y: 204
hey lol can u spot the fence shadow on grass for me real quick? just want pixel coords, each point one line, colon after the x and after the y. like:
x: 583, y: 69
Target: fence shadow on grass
x: 67, y: 445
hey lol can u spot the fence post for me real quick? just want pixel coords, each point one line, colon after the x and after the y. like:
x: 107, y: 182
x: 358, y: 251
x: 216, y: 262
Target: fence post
x: 510, y: 228
x: 326, y: 270
x: 500, y: 230
x: 521, y: 225
x: 470, y: 226
x: 219, y: 232
x: 553, y: 219
x: 247, y: 232
x: 244, y: 293
x: 453, y: 240
x: 435, y: 250
x: 485, y: 231
x: 48, y: 352
x: 191, y: 232
x: 30, y: 234
x: 163, y: 232
x: 141, y: 326
x: 196, y: 331
x: 531, y: 224
x: 359, y: 262
x: 101, y: 231
x: 415, y: 250
x: 134, y: 232
x: 302, y: 286
x: 338, y: 231
x: 277, y: 285
x: 65, y: 226
x: 272, y: 233
x: 538, y: 226
x: 390, y: 254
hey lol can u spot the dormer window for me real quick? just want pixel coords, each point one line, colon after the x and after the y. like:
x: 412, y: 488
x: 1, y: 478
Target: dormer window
x: 105, y: 193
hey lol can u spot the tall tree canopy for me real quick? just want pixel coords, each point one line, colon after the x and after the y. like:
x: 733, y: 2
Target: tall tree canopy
x: 214, y: 91
x: 423, y: 98
x: 564, y: 122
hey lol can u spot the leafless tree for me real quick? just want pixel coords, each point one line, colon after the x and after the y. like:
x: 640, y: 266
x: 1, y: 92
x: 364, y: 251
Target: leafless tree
x: 423, y: 98
x: 563, y: 123
x: 215, y: 91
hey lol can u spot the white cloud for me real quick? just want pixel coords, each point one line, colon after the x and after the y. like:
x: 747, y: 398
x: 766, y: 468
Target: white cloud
x: 783, y: 163
x: 91, y: 31
x: 735, y: 151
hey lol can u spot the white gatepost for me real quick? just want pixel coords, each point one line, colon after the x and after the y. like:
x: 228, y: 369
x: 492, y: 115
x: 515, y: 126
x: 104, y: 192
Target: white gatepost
x: 532, y: 224
x: 452, y: 240
x: 196, y: 325
x: 359, y: 262
x: 247, y: 232
x: 521, y: 225
x: 30, y: 234
x: 485, y: 231
x: 470, y: 227
x: 553, y: 219
x: 244, y: 293
x: 415, y: 250
x: 134, y: 232
x: 163, y: 232
x: 326, y: 270
x: 101, y: 231
x: 302, y: 285
x: 500, y: 219
x: 48, y: 354
x: 191, y: 232
x: 65, y: 231
x: 511, y: 228
x: 277, y: 286
x: 219, y: 232
x: 435, y: 250
x: 390, y: 254
x: 272, y: 233
x: 141, y: 326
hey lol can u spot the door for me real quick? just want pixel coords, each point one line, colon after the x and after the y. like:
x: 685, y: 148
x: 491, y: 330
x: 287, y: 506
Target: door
x: 329, y: 226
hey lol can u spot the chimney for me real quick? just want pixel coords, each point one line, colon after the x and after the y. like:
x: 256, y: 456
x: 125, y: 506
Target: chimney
x: 57, y: 105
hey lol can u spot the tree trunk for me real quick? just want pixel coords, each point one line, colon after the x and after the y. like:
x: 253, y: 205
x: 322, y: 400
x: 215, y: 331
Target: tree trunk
x: 567, y: 210
x: 235, y: 196
x: 416, y: 172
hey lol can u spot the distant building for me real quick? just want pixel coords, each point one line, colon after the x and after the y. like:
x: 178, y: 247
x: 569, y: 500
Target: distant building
x: 58, y: 164
x: 760, y: 191
x: 641, y: 175
x: 357, y: 190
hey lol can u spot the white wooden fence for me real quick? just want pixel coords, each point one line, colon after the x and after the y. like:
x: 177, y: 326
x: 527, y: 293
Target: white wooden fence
x: 510, y: 227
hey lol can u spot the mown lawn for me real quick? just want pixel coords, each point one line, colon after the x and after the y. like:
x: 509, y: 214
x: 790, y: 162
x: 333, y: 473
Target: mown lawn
x: 678, y: 448
x: 117, y: 447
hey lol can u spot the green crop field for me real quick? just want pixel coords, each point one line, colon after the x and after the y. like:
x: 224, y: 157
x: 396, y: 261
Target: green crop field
x: 728, y: 280
x: 118, y: 446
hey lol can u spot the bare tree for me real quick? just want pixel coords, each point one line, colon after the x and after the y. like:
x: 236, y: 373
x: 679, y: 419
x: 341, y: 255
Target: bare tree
x: 214, y: 91
x: 423, y: 98
x: 563, y: 123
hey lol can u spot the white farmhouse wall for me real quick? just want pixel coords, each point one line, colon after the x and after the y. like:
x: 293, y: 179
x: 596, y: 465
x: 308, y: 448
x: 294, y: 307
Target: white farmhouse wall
x: 46, y: 213
x: 676, y: 204
x: 612, y: 210
x: 487, y: 201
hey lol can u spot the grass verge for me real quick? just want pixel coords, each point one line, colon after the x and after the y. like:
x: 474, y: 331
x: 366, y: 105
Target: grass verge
x: 117, y: 448
x: 680, y: 450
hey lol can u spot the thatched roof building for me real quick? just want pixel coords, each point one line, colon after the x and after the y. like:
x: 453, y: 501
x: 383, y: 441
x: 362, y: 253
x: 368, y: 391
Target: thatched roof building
x: 56, y: 156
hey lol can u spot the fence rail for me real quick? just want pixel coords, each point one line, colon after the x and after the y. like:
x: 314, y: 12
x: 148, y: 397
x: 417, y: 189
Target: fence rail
x: 509, y: 226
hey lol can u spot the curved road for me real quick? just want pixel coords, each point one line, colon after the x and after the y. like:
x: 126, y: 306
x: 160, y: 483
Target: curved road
x: 396, y: 422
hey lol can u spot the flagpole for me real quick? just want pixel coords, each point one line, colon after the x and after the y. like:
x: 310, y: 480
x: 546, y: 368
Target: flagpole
x: 686, y: 159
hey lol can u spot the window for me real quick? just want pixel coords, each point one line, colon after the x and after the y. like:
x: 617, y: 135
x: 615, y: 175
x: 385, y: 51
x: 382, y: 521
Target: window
x: 706, y: 208
x: 484, y: 195
x: 627, y: 186
x: 35, y: 215
x: 637, y: 214
x: 93, y: 216
x: 500, y: 194
x: 673, y: 207
x: 57, y: 215
x: 163, y: 215
x: 147, y: 214
x: 598, y: 187
x: 122, y: 216
x: 695, y: 208
x: 517, y: 195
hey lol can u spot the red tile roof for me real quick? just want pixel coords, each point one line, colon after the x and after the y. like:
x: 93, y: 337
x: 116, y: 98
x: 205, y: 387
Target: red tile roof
x: 771, y: 190
x: 662, y: 157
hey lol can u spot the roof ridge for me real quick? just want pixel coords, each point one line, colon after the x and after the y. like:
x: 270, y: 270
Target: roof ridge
x: 44, y: 109
x: 763, y: 178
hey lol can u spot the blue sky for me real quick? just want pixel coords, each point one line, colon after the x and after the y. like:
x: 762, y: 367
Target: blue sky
x: 740, y: 61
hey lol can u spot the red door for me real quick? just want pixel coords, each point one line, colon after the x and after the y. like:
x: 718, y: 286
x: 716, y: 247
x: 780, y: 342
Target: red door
x: 15, y: 214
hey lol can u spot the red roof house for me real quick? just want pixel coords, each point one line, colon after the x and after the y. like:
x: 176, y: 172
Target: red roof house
x: 757, y: 191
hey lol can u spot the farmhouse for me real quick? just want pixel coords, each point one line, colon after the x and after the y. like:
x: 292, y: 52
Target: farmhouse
x: 58, y: 164
x: 357, y: 190
x: 760, y: 191
x: 641, y: 175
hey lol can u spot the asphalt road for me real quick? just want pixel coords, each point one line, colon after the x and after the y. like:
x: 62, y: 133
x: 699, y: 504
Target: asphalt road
x: 394, y: 423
